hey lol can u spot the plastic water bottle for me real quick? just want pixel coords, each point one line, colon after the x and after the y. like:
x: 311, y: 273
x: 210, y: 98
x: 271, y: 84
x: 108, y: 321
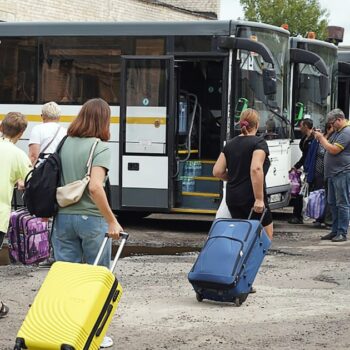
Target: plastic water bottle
x: 197, y: 168
x: 188, y: 184
x: 186, y: 169
x: 189, y: 168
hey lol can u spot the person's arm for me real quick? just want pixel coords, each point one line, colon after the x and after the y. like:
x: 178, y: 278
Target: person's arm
x: 329, y: 147
x: 257, y: 178
x: 98, y: 196
x: 220, y: 168
x: 34, y: 151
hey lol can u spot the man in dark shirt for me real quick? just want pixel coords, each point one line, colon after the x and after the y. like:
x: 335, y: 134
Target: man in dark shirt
x: 297, y: 202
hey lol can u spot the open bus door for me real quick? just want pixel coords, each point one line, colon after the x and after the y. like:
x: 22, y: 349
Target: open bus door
x: 145, y: 128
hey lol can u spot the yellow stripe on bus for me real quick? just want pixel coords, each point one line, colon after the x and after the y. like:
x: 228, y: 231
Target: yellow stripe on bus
x: 193, y: 211
x: 114, y: 119
x: 146, y: 120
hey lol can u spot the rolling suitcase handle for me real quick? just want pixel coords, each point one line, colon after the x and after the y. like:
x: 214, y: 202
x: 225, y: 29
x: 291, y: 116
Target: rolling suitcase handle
x: 261, y: 218
x: 124, y: 236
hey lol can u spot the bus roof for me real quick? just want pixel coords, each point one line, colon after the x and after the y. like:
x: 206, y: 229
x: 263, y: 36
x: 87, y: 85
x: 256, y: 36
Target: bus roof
x: 344, y: 55
x: 313, y: 42
x: 30, y: 29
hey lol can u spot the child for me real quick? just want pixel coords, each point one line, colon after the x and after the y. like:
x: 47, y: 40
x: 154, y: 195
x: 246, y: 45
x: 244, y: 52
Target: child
x: 15, y: 165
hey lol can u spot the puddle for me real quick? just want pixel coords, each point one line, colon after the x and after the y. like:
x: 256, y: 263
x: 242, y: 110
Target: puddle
x: 128, y: 250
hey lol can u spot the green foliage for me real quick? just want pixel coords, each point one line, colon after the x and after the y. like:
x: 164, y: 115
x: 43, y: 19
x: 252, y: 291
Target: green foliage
x: 302, y: 16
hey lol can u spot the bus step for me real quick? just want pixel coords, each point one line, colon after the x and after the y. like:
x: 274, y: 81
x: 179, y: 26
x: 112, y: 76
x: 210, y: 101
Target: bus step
x: 200, y: 200
x: 193, y: 211
x: 207, y: 184
x: 185, y: 151
x: 201, y: 194
x: 207, y: 167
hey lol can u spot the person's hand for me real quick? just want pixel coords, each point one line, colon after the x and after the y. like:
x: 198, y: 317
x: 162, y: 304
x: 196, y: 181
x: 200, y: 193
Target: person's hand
x: 20, y: 185
x: 259, y: 206
x: 318, y: 135
x: 114, y: 230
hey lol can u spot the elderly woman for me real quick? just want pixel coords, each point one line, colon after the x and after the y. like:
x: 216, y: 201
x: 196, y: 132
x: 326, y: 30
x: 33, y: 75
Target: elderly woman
x: 45, y: 137
x: 244, y: 163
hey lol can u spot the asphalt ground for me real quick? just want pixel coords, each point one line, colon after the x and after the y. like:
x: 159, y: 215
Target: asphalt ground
x: 302, y: 299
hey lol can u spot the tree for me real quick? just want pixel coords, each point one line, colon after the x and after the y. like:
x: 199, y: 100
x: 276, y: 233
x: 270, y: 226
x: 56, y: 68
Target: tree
x: 302, y: 16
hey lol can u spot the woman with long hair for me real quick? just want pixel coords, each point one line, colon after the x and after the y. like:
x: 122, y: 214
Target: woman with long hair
x: 79, y: 229
x: 244, y: 163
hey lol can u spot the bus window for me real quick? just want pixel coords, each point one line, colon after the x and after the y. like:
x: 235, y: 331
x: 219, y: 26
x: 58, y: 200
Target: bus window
x: 193, y: 44
x: 18, y: 70
x: 77, y: 69
x: 146, y: 46
x: 146, y: 83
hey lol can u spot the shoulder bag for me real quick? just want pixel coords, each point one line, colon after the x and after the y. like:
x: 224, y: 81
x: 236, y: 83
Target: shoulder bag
x: 72, y: 192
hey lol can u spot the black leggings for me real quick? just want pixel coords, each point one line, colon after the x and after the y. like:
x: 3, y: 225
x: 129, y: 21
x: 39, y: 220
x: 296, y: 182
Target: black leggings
x: 243, y: 211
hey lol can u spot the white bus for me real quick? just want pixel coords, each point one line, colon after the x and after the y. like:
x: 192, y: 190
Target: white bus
x: 314, y: 84
x: 175, y: 91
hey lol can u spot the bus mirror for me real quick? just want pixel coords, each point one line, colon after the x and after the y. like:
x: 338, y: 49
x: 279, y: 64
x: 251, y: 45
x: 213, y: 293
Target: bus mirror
x: 299, y: 112
x: 324, y: 81
x: 241, y: 105
x: 269, y: 81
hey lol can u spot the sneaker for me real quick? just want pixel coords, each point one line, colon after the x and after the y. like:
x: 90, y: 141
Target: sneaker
x: 295, y: 221
x: 339, y: 238
x: 328, y: 236
x: 4, y: 310
x: 107, y: 342
x: 46, y: 264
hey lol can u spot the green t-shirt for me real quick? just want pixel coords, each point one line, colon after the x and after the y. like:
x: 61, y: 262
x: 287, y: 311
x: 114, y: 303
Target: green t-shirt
x: 74, y: 156
x: 15, y: 165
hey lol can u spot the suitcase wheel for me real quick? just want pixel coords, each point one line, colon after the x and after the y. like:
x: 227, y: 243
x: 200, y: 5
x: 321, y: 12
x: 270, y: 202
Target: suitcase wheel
x: 240, y: 300
x: 20, y: 344
x: 199, y: 297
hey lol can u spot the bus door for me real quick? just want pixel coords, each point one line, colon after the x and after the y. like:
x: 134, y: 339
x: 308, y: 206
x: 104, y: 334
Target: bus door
x: 145, y: 128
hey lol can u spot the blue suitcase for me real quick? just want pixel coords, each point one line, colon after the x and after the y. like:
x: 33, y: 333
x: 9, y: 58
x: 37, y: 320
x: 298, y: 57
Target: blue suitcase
x: 229, y: 261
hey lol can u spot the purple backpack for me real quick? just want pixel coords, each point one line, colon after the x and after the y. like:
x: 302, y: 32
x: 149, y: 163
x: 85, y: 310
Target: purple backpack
x: 316, y: 204
x: 295, y: 182
x: 28, y: 238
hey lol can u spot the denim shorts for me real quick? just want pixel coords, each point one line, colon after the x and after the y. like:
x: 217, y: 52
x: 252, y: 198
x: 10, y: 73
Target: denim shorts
x: 77, y: 238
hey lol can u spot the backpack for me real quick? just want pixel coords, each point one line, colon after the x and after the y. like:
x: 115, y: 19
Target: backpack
x: 41, y: 184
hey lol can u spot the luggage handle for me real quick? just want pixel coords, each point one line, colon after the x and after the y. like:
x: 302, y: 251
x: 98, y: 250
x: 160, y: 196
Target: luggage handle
x: 261, y: 218
x: 124, y: 237
x: 262, y: 215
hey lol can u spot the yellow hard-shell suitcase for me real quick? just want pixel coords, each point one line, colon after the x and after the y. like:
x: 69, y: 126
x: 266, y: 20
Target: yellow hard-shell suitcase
x: 73, y: 307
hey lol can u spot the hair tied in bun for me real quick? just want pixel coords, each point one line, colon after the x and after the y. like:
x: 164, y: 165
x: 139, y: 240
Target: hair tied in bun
x: 243, y: 123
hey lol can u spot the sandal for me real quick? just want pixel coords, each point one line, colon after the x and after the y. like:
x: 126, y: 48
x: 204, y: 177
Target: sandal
x: 4, y: 310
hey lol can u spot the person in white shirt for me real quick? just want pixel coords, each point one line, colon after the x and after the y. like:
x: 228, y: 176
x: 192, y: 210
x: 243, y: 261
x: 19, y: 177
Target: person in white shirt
x: 45, y: 137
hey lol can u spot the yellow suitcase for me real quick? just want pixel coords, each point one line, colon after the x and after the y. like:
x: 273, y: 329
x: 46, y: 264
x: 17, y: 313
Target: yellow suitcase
x: 73, y: 307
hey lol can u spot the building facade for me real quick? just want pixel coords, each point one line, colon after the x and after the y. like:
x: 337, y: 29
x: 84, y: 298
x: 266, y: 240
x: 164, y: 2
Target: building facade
x: 108, y: 10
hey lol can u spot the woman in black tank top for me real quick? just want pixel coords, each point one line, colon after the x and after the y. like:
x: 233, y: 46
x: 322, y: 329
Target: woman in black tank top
x: 244, y: 163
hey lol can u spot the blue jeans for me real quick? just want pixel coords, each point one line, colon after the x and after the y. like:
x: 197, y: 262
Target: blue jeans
x: 338, y: 198
x: 77, y: 238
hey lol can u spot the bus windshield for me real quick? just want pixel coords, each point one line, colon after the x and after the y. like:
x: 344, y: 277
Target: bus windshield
x: 251, y: 64
x: 308, y: 86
